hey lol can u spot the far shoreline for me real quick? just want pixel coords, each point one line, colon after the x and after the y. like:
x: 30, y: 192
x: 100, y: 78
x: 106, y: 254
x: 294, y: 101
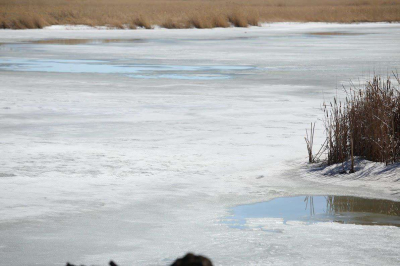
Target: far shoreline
x: 157, y: 27
x: 181, y: 14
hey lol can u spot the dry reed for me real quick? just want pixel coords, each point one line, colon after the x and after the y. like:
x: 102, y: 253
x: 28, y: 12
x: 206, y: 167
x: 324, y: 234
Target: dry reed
x: 22, y: 14
x: 366, y: 124
x: 310, y: 143
x: 141, y: 22
x: 238, y: 19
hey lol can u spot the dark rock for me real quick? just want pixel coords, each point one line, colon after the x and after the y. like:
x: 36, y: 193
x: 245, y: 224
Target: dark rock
x: 192, y: 260
x: 111, y: 264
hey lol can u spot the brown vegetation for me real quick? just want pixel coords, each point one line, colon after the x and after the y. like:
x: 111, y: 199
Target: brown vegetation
x: 366, y: 124
x: 309, y: 138
x: 22, y: 14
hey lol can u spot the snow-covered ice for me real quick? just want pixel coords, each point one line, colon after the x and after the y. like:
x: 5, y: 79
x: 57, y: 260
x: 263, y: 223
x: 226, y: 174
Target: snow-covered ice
x: 140, y: 158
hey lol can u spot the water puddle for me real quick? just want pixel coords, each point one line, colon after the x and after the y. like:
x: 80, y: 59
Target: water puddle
x: 105, y: 41
x: 312, y: 209
x: 334, y: 33
x: 87, y: 41
x: 182, y: 77
x: 140, y: 71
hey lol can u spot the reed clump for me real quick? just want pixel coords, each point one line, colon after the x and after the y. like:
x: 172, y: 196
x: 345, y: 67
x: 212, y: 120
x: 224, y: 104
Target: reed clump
x: 171, y: 24
x: 29, y: 22
x: 365, y: 124
x: 141, y: 22
x: 220, y: 21
x: 238, y: 19
x: 201, y: 22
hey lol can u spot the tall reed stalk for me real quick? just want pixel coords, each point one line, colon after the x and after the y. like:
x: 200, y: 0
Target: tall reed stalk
x: 309, y: 138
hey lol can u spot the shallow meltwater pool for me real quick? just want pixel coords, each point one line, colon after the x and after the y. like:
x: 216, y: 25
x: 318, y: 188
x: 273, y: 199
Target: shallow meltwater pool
x: 87, y: 41
x: 312, y: 209
x: 129, y: 69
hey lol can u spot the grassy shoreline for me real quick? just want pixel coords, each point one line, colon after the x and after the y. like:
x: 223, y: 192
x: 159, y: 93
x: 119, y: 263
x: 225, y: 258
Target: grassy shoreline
x: 30, y: 14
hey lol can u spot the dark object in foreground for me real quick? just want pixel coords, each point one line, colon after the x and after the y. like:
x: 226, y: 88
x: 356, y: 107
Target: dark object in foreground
x: 192, y: 260
x: 111, y: 263
x: 189, y: 260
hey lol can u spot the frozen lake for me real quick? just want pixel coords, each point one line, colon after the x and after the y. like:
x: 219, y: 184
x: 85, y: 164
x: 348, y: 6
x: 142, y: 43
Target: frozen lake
x: 136, y: 145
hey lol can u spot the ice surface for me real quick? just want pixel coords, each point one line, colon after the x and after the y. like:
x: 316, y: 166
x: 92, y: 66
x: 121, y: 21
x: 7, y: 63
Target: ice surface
x: 99, y: 165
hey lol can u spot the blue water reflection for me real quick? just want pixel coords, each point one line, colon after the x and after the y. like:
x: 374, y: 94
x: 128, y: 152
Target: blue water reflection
x: 141, y: 71
x: 311, y: 209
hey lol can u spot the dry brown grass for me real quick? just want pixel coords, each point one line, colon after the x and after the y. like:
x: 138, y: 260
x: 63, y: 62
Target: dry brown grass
x: 21, y: 14
x: 366, y: 124
x: 141, y: 22
x: 237, y: 19
x: 171, y: 24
